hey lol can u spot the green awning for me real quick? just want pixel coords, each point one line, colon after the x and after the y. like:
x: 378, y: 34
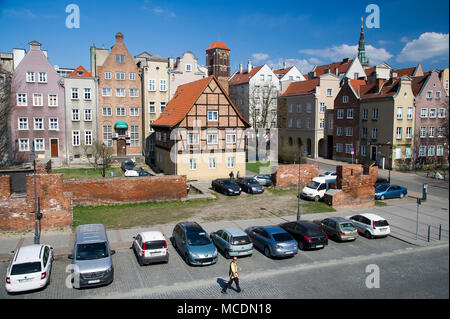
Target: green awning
x: 121, y: 124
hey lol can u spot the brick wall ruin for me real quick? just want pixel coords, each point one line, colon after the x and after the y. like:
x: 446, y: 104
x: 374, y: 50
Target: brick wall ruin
x: 287, y: 175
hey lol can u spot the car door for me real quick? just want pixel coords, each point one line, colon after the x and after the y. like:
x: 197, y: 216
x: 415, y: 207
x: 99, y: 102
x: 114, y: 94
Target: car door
x: 322, y: 189
x: 356, y: 221
x: 137, y: 245
x: 46, y: 261
x: 366, y: 223
x: 256, y: 237
x: 300, y: 233
x: 326, y: 226
x: 224, y: 241
x: 217, y: 238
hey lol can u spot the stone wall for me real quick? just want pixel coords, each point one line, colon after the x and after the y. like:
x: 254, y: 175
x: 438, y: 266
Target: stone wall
x: 287, y: 175
x: 109, y: 191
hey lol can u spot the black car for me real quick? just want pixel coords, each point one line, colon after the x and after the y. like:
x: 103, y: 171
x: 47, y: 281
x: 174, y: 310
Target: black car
x: 308, y: 234
x: 381, y: 181
x: 226, y: 186
x: 127, y: 165
x: 250, y: 185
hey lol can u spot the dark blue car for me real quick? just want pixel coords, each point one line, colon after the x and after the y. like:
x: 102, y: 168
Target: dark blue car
x: 386, y: 191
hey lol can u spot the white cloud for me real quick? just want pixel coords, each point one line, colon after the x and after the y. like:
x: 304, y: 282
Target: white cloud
x: 337, y: 53
x: 302, y: 64
x: 158, y: 10
x: 404, y: 39
x: 429, y: 45
x: 258, y: 57
x: 315, y: 61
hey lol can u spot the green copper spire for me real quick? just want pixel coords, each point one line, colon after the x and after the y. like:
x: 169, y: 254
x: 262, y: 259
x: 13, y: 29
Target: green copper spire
x: 362, y: 47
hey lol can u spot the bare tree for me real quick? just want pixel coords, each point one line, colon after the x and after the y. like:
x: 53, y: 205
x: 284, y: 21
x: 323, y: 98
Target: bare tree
x: 5, y: 109
x: 99, y: 154
x: 263, y: 105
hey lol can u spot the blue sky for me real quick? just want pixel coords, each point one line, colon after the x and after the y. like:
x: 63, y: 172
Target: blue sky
x: 302, y: 33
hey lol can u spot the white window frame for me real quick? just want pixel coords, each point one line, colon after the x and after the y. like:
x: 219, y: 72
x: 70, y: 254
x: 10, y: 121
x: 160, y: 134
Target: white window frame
x: 30, y: 77
x: 432, y: 113
x: 339, y: 147
x: 400, y: 113
x: 87, y: 94
x: 108, y: 75
x: 75, y: 138
x: 120, y: 92
x: 350, y: 113
x: 152, y: 85
x: 42, y: 77
x: 134, y: 92
x: 21, y: 99
x: 134, y: 111
x: 423, y: 113
x: 365, y: 114
x: 38, y: 120
x: 193, y: 139
x: 409, y: 132
x: 106, y: 111
x: 374, y: 133
x: 322, y: 107
x: 192, y: 164
x: 441, y: 113
x: 230, y: 162
x: 120, y: 76
x: 41, y: 144
x: 87, y: 137
x: 134, y: 135
x: 423, y: 132
x: 409, y: 116
x: 54, y: 122
x: 162, y: 106
x: 75, y: 94
x: 87, y: 115
x: 230, y: 138
x: 299, y: 108
x: 163, y: 85
x: 340, y: 114
x: 212, y: 141
x: 431, y: 131
x: 375, y: 114
x: 132, y: 76
x: 212, y: 160
x: 22, y: 123
x: 349, y: 131
x: 188, y: 67
x: 213, y: 116
x: 439, y: 150
x: 329, y: 92
x: 398, y: 133
x: 422, y: 151
x: 106, y: 91
x: 345, y: 99
x: 121, y: 111
x: 75, y: 115
x: 151, y: 105
x: 431, y: 150
x: 24, y: 142
x: 40, y: 99
x: 339, y: 131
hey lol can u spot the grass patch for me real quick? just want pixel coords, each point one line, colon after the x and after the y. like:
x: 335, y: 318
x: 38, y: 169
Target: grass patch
x: 311, y: 207
x: 256, y: 166
x: 283, y: 191
x: 81, y: 173
x: 380, y: 203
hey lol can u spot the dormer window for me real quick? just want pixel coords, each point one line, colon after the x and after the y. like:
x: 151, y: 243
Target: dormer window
x: 80, y: 73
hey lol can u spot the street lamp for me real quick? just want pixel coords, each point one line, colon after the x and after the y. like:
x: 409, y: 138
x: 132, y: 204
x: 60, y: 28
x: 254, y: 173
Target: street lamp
x: 36, y: 218
x: 298, y: 185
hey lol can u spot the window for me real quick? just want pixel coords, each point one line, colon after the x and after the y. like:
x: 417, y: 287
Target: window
x: 399, y: 113
x: 107, y: 75
x: 407, y: 152
x: 339, y: 147
x: 75, y: 115
x: 432, y: 113
x: 120, y: 58
x: 192, y: 164
x: 38, y: 123
x: 107, y: 111
x: 230, y: 138
x: 39, y: 144
x: 440, y: 150
x: 374, y: 133
x: 53, y: 124
x: 441, y: 131
x: 431, y: 150
x: 441, y: 113
x: 340, y: 113
x: 162, y: 106
x: 212, y: 139
x: 23, y: 123
x: 399, y: 133
x: 120, y: 111
x: 375, y: 114
x: 431, y: 134
x: 120, y: 92
x: 75, y: 138
x: 152, y: 85
x: 132, y: 76
x: 134, y: 135
x: 88, y: 137
x: 213, y: 115
x: 134, y: 92
x: 188, y: 67
x: 329, y: 92
x: 422, y: 151
x: 423, y: 132
x: 134, y: 111
x: 151, y: 107
x: 423, y: 113
x: 446, y: 84
x: 299, y: 123
x: 339, y: 131
x: 289, y: 122
x: 345, y: 99
x: 212, y: 163
x: 21, y: 99
x: 24, y: 145
x: 74, y: 93
x: 438, y: 95
x: 88, y: 115
x: 363, y: 150
x: 299, y: 108
x: 409, y: 116
x: 230, y: 162
x: 308, y: 123
x: 37, y: 99
x: 120, y: 75
x: 308, y: 108
x: 322, y: 123
x: 87, y: 93
x: 348, y: 148
x: 106, y: 91
x: 322, y: 107
x: 429, y: 94
x: 398, y: 153
x: 330, y: 124
x: 107, y: 135
x: 261, y: 77
x: 42, y: 77
x: 290, y: 108
x: 30, y: 77
x: 409, y: 132
x: 349, y: 113
x: 365, y: 114
x: 364, y: 132
x: 193, y: 139
x: 349, y: 131
x: 163, y: 85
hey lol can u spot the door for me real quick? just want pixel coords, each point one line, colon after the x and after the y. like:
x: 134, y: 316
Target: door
x: 373, y: 153
x: 54, y: 147
x: 121, y: 147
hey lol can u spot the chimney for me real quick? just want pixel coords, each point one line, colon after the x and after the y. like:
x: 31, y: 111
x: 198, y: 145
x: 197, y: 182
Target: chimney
x: 240, y: 68
x: 119, y: 36
x: 336, y: 71
x: 18, y: 55
x: 345, y: 60
x: 284, y: 64
x: 394, y: 75
x: 249, y: 66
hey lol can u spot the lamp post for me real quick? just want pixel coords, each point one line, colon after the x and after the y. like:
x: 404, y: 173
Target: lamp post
x: 298, y: 186
x: 36, y: 231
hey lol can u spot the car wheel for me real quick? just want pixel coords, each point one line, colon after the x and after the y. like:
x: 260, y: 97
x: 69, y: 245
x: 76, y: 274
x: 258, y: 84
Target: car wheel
x: 316, y: 199
x: 382, y: 197
x: 402, y: 195
x: 186, y: 259
x: 368, y: 235
x: 227, y: 254
x: 141, y: 263
x: 301, y: 245
x: 267, y: 251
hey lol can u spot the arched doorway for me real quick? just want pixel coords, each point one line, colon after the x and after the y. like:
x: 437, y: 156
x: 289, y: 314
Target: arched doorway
x: 322, y: 147
x: 308, y: 146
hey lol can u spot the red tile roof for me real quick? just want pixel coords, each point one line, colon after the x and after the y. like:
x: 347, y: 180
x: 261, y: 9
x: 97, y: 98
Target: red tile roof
x: 301, y: 87
x: 369, y: 71
x: 417, y: 83
x: 402, y: 72
x: 282, y: 71
x: 389, y: 88
x: 183, y: 100
x: 244, y: 77
x: 356, y: 84
x: 218, y: 45
x: 86, y: 74
x: 340, y: 66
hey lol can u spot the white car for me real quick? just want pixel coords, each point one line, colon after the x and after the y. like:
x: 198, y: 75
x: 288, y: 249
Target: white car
x: 328, y: 174
x: 150, y: 247
x: 29, y: 269
x: 131, y: 173
x: 370, y: 225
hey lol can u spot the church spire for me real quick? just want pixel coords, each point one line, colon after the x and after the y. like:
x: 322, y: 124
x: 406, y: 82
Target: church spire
x: 362, y: 47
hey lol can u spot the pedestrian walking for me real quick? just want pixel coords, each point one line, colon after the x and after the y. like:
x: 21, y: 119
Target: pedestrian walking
x: 231, y: 175
x: 237, y: 175
x: 234, y: 276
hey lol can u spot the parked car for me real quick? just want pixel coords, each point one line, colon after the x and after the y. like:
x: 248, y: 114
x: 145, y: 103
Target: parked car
x: 131, y: 173
x: 317, y: 187
x: 328, y: 174
x: 386, y: 191
x: 150, y: 247
x: 226, y: 186
x: 91, y: 256
x: 250, y: 185
x: 127, y: 164
x: 29, y: 268
x: 338, y: 228
x: 142, y: 172
x: 380, y: 181
x: 273, y: 240
x: 194, y: 244
x: 307, y: 234
x: 263, y: 179
x: 233, y: 242
x: 370, y: 225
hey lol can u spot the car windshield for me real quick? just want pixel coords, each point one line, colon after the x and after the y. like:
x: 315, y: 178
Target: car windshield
x: 228, y: 182
x: 240, y: 240
x: 198, y: 239
x: 314, y: 231
x: 381, y: 223
x: 92, y: 251
x: 281, y: 237
x: 382, y: 188
x: 252, y: 181
x: 25, y: 268
x: 313, y: 185
x: 156, y: 244
x: 347, y: 227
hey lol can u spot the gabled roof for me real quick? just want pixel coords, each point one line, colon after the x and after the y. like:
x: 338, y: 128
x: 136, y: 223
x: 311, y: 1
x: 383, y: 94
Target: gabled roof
x: 341, y: 66
x: 218, y: 45
x: 245, y: 76
x: 282, y: 71
x: 417, y: 83
x: 355, y: 84
x: 388, y: 89
x: 402, y: 72
x: 183, y: 100
x: 301, y: 87
x: 86, y: 74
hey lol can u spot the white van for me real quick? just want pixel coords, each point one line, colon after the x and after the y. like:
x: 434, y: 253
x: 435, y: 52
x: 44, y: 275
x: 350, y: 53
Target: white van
x: 317, y: 187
